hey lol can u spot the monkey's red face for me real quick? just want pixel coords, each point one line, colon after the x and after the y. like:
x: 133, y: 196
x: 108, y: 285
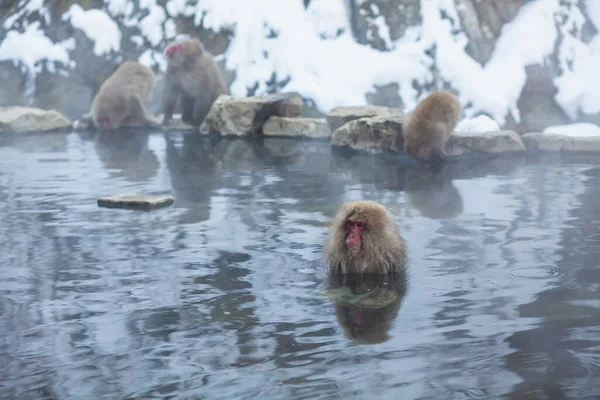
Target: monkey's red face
x: 105, y: 123
x: 355, y: 230
x: 174, y: 49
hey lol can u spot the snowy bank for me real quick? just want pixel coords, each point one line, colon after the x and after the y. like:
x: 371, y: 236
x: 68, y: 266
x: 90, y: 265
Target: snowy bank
x: 314, y: 50
x: 579, y: 137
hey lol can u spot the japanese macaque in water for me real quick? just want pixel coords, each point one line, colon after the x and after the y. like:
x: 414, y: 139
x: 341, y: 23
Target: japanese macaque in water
x: 364, y: 239
x: 430, y: 125
x: 193, y: 77
x: 120, y: 100
x: 366, y: 305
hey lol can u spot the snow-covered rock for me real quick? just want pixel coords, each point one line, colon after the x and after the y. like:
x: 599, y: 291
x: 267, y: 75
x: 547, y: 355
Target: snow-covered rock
x: 580, y: 137
x: 341, y: 115
x: 465, y: 143
x: 316, y: 128
x: 375, y: 134
x: 27, y: 119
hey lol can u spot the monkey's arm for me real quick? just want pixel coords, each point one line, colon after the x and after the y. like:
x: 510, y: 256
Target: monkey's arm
x: 169, y: 98
x: 201, y: 107
x: 187, y: 109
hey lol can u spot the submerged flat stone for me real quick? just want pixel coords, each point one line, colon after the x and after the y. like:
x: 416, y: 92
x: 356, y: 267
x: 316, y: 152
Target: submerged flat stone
x: 136, y: 201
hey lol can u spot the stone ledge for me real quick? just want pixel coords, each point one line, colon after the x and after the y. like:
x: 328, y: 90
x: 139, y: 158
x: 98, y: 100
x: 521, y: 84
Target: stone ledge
x: 554, y: 142
x: 339, y: 116
x: 315, y: 128
x: 461, y: 143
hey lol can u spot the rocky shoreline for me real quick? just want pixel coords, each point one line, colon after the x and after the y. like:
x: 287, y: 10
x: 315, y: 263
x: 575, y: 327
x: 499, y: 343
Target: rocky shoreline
x: 371, y: 129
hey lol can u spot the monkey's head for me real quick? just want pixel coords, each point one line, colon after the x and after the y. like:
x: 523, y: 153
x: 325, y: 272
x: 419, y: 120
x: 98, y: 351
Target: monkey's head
x: 110, y: 111
x: 361, y: 223
x: 183, y: 51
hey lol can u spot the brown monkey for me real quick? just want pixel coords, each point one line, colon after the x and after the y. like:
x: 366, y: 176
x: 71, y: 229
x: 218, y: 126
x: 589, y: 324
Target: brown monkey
x: 193, y: 75
x: 364, y: 239
x: 430, y: 125
x: 120, y: 100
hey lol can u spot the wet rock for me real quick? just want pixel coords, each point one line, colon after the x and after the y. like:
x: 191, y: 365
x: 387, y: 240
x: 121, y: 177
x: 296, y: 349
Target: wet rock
x: 557, y: 142
x: 135, y: 201
x: 297, y: 127
x: 341, y: 115
x: 484, y: 142
x: 374, y: 134
x: 26, y: 119
x: 239, y: 116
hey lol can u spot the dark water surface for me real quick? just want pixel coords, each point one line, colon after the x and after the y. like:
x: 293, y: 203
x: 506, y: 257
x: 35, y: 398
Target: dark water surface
x: 224, y: 294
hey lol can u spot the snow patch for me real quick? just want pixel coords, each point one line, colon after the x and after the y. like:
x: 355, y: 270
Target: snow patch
x: 580, y: 130
x: 481, y: 123
x: 31, y: 47
x: 97, y: 26
x: 578, y: 86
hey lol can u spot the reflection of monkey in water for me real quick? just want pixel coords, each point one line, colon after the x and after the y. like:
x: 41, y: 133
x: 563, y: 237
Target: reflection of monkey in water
x: 192, y: 75
x: 432, y: 193
x: 129, y: 154
x: 430, y: 125
x: 364, y: 239
x: 366, y: 304
x: 120, y: 100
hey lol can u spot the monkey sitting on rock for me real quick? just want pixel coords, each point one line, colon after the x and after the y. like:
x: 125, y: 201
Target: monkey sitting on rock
x: 428, y: 128
x: 364, y: 239
x: 193, y: 77
x: 120, y: 100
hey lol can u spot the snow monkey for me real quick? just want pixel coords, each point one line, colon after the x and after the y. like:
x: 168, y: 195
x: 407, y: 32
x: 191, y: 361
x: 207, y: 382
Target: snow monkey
x: 120, y: 100
x: 192, y: 75
x: 364, y: 239
x: 430, y: 125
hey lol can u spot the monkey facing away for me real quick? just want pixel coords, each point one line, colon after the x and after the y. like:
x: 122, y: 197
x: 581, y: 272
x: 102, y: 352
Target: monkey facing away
x: 430, y: 125
x: 194, y: 77
x: 364, y: 239
x: 120, y: 100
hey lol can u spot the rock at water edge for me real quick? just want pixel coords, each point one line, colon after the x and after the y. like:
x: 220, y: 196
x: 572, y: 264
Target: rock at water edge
x: 135, y: 201
x: 28, y: 119
x: 341, y: 115
x: 370, y: 134
x: 484, y: 142
x: 297, y: 127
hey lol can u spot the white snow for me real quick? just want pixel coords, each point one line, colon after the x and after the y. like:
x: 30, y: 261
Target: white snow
x: 151, y: 25
x: 97, y: 26
x: 31, y: 47
x: 578, y: 86
x: 304, y: 45
x: 481, y: 123
x: 580, y: 130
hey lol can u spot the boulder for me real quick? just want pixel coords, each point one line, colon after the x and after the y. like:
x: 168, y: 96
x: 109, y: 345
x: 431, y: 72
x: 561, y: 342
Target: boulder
x: 375, y: 134
x: 341, y: 115
x: 27, y: 119
x: 297, y: 127
x: 484, y: 142
x: 239, y: 116
x: 557, y: 142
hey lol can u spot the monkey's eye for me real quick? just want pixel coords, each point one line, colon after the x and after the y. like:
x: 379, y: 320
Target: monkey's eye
x: 356, y: 225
